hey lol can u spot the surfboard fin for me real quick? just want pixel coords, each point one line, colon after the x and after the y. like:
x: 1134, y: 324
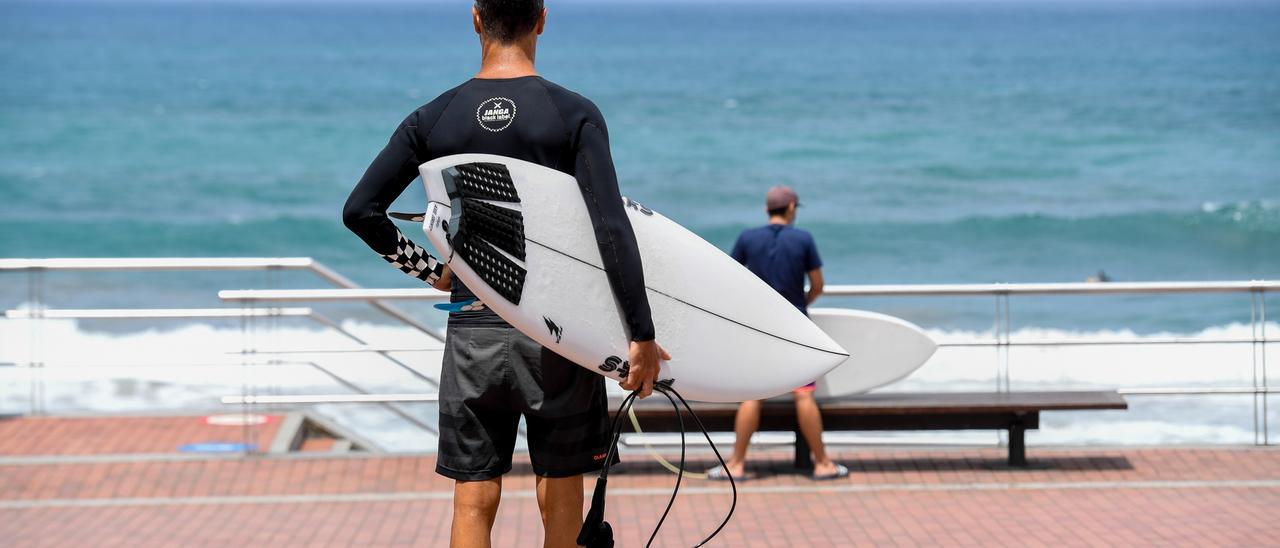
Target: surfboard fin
x: 415, y: 217
x: 460, y: 306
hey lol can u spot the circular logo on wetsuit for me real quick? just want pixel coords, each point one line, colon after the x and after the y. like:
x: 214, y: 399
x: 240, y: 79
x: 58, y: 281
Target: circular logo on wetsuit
x: 496, y: 114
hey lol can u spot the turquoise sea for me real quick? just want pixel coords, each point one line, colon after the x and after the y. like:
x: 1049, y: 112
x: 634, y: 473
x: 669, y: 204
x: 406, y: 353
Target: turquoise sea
x: 930, y: 142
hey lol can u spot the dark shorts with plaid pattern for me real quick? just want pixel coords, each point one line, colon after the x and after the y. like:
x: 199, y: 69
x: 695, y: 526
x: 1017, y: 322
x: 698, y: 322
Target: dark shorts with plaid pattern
x: 493, y: 375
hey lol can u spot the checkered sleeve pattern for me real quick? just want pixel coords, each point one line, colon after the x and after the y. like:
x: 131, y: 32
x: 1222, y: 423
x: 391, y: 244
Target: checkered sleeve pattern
x: 411, y: 259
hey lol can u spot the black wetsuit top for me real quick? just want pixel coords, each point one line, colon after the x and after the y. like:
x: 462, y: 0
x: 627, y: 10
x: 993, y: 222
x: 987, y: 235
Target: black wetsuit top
x: 528, y: 118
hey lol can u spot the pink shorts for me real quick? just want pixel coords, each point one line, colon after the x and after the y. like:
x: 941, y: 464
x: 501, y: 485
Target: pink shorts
x: 808, y: 387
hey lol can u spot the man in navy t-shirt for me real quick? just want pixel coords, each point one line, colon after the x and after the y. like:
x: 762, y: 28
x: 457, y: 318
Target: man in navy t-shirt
x: 783, y: 256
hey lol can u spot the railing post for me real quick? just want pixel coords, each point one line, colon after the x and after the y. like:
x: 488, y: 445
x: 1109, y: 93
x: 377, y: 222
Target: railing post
x: 1008, y: 343
x: 1258, y: 420
x: 247, y: 356
x: 1262, y: 351
x: 995, y: 327
x: 1004, y: 340
x: 1003, y: 437
x: 35, y: 351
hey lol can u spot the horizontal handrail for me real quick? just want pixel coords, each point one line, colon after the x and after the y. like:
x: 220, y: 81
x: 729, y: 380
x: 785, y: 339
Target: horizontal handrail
x: 152, y: 313
x: 113, y: 264
x: 406, y: 398
x: 158, y: 263
x: 1077, y: 288
x: 331, y: 398
x: 316, y: 295
x: 1192, y: 391
x: 1091, y: 342
x: 388, y: 349
x: 828, y: 291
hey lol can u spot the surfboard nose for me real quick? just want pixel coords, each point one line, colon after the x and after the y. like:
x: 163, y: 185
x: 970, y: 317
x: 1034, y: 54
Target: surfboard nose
x: 829, y: 344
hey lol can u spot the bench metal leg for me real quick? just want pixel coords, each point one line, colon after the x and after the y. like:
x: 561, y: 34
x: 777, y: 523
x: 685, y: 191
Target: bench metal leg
x: 1017, y: 443
x: 803, y: 460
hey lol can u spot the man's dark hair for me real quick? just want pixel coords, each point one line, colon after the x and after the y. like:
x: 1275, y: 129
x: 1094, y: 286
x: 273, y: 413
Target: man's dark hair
x: 778, y: 212
x: 508, y: 20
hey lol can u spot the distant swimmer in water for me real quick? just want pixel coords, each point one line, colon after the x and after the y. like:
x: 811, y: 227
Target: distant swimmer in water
x: 1100, y: 277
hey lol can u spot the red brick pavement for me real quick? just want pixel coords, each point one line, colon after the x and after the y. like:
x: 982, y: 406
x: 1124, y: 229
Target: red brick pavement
x: 115, y: 435
x: 1081, y: 497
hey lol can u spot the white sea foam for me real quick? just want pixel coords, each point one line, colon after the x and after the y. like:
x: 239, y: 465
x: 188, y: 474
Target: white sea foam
x: 1111, y: 365
x: 189, y: 368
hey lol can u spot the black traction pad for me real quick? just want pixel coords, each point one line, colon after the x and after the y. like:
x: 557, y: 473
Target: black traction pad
x: 501, y: 273
x: 502, y: 227
x: 484, y: 181
x: 484, y: 228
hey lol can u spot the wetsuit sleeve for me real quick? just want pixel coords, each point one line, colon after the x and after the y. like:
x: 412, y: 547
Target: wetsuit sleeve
x: 365, y: 212
x: 618, y: 248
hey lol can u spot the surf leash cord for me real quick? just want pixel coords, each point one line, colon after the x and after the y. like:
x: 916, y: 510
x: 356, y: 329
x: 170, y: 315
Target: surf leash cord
x: 596, y: 532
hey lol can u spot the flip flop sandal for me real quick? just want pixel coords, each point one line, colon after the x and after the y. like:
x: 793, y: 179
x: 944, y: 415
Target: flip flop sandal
x: 720, y: 474
x: 842, y: 471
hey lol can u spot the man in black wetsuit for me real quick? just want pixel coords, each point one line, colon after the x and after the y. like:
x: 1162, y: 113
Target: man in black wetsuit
x: 492, y: 374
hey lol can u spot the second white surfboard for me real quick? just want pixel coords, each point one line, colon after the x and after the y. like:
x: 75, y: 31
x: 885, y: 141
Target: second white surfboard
x: 882, y: 349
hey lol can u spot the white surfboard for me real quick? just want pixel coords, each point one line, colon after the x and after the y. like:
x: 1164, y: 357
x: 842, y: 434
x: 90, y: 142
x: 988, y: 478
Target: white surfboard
x: 519, y: 235
x: 882, y: 349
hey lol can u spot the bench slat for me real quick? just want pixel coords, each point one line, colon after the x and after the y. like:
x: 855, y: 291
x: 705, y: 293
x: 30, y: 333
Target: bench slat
x: 918, y: 403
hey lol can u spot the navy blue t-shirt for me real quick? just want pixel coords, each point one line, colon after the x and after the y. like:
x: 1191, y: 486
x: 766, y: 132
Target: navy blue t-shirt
x: 781, y: 255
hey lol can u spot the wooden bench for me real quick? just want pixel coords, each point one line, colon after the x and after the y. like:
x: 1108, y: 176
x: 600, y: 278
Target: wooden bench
x: 1016, y: 412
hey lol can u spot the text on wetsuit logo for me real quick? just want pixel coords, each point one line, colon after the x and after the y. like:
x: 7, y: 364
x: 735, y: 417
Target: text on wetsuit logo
x: 496, y: 114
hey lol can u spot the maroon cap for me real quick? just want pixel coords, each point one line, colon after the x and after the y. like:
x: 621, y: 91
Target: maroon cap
x: 779, y: 197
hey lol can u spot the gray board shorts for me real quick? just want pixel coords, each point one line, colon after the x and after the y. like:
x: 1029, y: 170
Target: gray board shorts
x: 490, y: 377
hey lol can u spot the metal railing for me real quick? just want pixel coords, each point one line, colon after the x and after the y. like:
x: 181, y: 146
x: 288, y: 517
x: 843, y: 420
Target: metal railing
x: 37, y: 269
x: 1002, y: 339
x: 1003, y: 328
x: 267, y: 303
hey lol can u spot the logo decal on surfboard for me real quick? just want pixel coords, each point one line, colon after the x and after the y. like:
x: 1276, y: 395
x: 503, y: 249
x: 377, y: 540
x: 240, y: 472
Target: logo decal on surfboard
x: 637, y: 206
x: 496, y: 114
x: 555, y: 330
x: 614, y: 363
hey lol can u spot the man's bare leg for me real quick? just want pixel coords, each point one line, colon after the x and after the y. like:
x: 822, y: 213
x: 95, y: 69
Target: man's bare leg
x: 560, y: 502
x: 475, y: 505
x: 810, y: 419
x: 745, y: 423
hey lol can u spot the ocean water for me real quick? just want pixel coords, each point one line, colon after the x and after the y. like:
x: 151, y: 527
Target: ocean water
x: 948, y: 142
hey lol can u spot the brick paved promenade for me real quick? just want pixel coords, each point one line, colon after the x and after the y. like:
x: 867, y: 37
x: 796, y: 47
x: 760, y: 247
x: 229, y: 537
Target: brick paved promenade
x: 144, y: 496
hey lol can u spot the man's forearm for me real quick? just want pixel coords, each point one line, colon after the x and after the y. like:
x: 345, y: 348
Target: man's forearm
x: 413, y: 260
x: 365, y: 212
x: 615, y: 237
x: 815, y: 286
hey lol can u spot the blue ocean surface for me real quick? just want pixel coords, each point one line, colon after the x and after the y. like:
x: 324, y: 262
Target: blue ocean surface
x: 929, y: 142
